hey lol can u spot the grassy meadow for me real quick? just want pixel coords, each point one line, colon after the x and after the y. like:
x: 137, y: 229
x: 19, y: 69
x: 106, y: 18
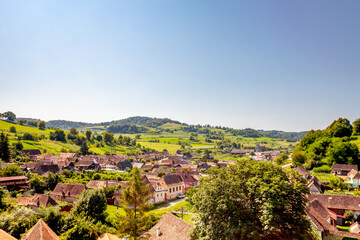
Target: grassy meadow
x: 155, y: 139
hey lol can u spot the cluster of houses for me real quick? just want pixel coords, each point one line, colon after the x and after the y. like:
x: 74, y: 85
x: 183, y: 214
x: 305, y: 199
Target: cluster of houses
x: 326, y: 211
x: 172, y: 176
x: 153, y: 163
x: 259, y: 154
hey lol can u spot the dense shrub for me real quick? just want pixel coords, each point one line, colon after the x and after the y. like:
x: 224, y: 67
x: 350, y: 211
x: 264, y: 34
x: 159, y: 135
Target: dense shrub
x: 322, y: 169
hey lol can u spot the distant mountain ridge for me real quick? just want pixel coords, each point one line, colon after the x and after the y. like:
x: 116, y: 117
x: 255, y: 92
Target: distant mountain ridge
x: 137, y: 120
x: 125, y: 126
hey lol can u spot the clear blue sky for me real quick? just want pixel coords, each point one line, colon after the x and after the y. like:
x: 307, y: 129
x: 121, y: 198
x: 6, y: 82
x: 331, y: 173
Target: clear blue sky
x: 286, y: 65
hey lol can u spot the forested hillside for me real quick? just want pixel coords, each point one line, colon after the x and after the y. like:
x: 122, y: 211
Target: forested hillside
x: 138, y: 124
x: 334, y: 145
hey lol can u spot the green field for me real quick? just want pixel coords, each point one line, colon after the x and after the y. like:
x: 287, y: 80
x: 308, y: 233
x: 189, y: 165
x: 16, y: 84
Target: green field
x: 156, y: 139
x: 5, y: 126
x: 158, y: 210
x: 357, y: 141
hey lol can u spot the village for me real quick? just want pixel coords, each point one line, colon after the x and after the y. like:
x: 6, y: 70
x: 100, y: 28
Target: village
x: 170, y: 177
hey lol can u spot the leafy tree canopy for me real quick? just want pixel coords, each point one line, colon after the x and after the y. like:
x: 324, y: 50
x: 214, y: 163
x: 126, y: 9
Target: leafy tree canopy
x: 11, y: 170
x: 92, y: 203
x: 251, y: 200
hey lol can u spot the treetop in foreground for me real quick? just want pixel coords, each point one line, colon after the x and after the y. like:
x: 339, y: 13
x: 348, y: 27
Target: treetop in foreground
x: 251, y: 200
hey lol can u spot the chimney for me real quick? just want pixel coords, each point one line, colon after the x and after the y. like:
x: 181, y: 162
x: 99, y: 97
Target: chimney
x: 37, y: 202
x: 158, y: 233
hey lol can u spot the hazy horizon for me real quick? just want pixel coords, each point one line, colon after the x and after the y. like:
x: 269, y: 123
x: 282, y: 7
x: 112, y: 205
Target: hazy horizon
x: 213, y: 125
x: 283, y: 65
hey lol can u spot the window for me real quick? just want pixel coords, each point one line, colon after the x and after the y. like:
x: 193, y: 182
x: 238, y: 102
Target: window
x: 157, y: 195
x: 170, y: 190
x: 176, y: 188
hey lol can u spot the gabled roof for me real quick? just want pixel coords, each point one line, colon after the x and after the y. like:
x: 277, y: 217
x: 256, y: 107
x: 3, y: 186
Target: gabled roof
x: 187, y: 178
x: 333, y: 201
x: 40, y: 231
x: 38, y: 200
x: 87, y: 163
x: 314, y: 181
x: 353, y: 174
x: 67, y: 155
x: 16, y: 178
x: 48, y: 168
x: 170, y: 227
x: 344, y: 167
x: 302, y: 170
x: 108, y: 236
x: 241, y: 151
x: 68, y: 190
x: 319, y: 214
x: 159, y: 170
x: 125, y: 164
x: 31, y: 151
x: 148, y: 167
x: 103, y: 184
x: 5, y: 236
x: 172, y: 179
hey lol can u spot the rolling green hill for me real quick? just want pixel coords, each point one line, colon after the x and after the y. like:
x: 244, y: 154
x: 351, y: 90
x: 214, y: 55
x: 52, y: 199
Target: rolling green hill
x: 170, y: 136
x: 146, y: 125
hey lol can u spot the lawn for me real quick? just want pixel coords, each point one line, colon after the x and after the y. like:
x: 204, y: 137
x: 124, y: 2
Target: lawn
x: 356, y: 141
x: 172, y: 148
x: 323, y: 177
x: 158, y: 210
x: 5, y: 126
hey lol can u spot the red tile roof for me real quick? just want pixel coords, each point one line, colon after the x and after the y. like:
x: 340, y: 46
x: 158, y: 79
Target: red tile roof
x: 5, y: 236
x: 333, y: 201
x: 17, y: 178
x: 38, y: 200
x: 40, y: 231
x: 170, y: 227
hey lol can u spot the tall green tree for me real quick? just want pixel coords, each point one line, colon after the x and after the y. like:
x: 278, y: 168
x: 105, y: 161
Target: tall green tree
x: 73, y: 131
x: 38, y: 184
x: 344, y: 153
x: 340, y: 128
x: 51, y: 180
x: 10, y: 116
x: 251, y: 200
x: 42, y: 125
x: 88, y: 134
x: 298, y: 158
x: 108, y: 137
x: 92, y: 203
x: 4, y: 147
x: 84, y: 149
x: 135, y: 202
x: 58, y: 135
